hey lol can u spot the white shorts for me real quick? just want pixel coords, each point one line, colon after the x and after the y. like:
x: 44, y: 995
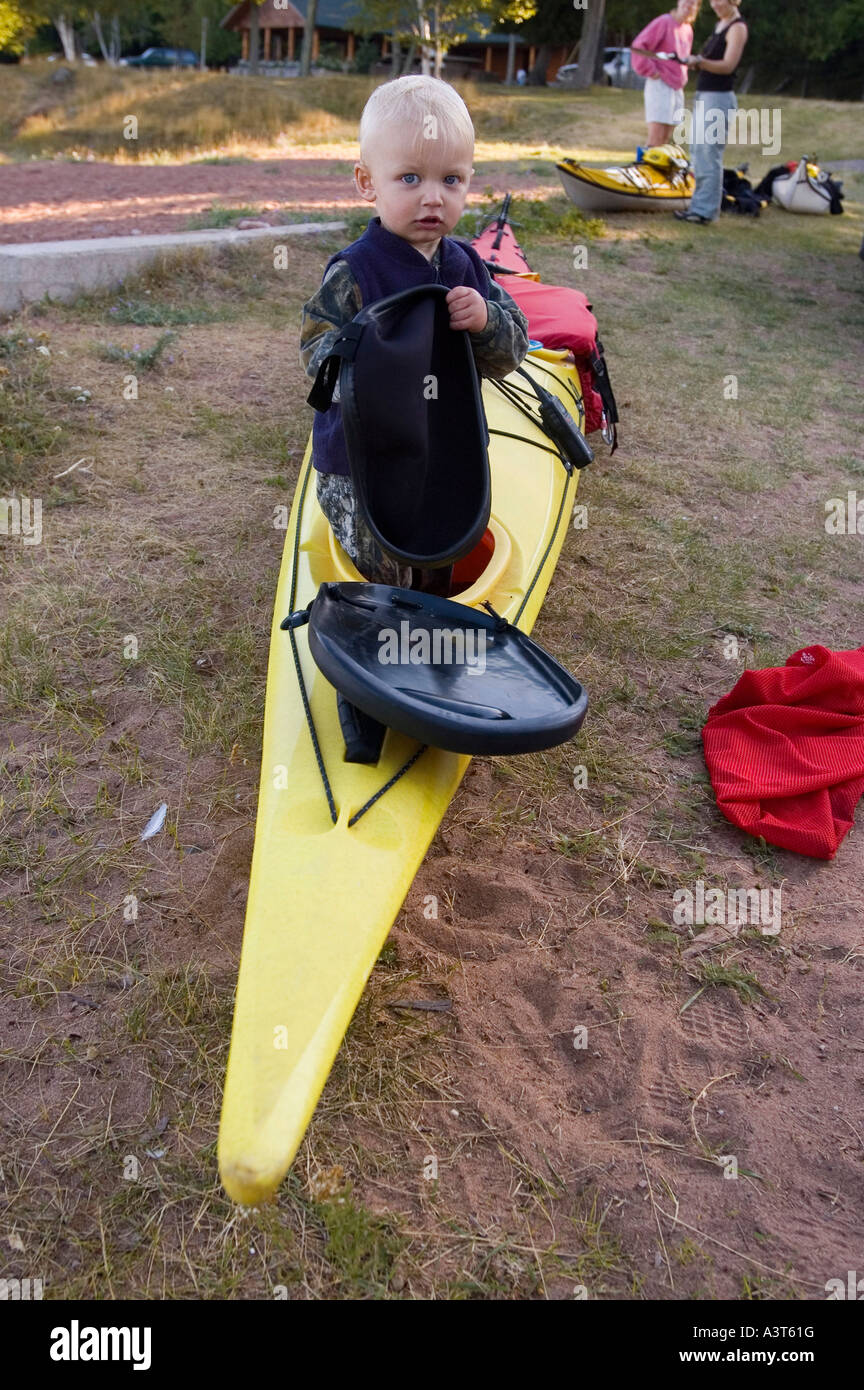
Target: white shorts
x: 662, y: 102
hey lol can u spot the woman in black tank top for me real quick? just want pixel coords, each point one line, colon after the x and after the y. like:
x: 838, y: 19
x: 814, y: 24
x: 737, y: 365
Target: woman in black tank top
x: 713, y: 102
x: 712, y: 61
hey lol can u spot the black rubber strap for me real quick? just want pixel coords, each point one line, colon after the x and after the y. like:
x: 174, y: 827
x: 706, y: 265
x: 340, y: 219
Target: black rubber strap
x: 343, y: 350
x: 539, y: 570
x: 367, y: 806
x: 604, y: 385
x: 506, y: 393
x: 319, y: 757
x: 566, y: 384
x: 547, y: 448
x: 512, y: 394
x: 502, y: 269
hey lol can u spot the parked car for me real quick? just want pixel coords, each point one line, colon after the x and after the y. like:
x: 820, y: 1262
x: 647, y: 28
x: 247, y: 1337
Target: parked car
x: 617, y: 70
x: 163, y: 58
x: 617, y: 65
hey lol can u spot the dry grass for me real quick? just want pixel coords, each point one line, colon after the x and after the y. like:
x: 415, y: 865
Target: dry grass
x: 218, y: 117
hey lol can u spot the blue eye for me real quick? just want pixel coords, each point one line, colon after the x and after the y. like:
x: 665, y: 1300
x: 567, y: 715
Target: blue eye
x: 452, y: 179
x: 408, y: 178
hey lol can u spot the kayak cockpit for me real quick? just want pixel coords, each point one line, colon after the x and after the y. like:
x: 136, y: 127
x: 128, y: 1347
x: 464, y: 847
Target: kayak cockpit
x: 479, y: 576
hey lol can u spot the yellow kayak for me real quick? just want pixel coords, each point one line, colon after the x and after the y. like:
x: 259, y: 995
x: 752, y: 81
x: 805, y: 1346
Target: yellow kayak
x: 323, y: 895
x: 660, y: 182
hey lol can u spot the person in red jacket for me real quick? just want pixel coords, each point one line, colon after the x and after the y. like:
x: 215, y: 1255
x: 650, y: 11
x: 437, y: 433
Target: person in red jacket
x: 665, y: 79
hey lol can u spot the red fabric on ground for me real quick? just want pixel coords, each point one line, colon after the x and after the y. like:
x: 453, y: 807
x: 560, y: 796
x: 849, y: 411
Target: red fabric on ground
x: 785, y: 750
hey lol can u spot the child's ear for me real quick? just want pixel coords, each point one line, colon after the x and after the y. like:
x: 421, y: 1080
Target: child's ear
x: 363, y: 183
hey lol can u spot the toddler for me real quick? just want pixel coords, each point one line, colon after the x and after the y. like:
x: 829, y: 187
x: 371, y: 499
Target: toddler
x: 415, y: 165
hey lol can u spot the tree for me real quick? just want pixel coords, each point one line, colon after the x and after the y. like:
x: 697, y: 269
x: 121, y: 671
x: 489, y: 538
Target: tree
x: 254, y: 35
x: 456, y: 19
x: 396, y: 18
x: 510, y: 16
x: 15, y: 27
x: 308, y: 37
x: 109, y: 10
x: 553, y: 23
x: 624, y: 18
x: 591, y: 43
x: 62, y: 14
x: 435, y: 26
x: 181, y: 26
x: 424, y: 35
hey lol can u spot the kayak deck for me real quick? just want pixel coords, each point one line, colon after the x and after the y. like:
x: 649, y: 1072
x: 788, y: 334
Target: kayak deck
x: 323, y: 894
x: 628, y: 188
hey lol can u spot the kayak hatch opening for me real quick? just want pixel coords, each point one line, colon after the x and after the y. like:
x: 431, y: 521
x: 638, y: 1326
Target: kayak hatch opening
x: 475, y: 576
x: 480, y: 574
x: 469, y: 569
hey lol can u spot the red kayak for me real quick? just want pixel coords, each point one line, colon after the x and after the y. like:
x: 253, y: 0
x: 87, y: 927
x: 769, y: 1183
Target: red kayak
x: 558, y: 317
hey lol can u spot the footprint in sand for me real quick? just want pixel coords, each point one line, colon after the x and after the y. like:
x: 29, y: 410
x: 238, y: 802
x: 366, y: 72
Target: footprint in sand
x: 464, y: 914
x: 671, y: 1096
x: 718, y: 1022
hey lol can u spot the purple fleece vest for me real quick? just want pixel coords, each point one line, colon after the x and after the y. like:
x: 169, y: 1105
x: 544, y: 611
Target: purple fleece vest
x: 383, y: 263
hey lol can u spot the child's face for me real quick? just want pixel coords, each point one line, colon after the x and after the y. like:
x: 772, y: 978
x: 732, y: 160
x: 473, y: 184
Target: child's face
x: 419, y: 196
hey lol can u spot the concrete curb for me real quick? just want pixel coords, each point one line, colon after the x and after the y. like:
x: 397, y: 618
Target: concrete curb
x: 64, y: 269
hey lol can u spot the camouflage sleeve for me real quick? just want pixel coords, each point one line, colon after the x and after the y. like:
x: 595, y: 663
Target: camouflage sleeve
x: 504, y: 341
x: 333, y: 305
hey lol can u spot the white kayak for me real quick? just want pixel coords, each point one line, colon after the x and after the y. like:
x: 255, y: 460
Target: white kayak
x: 803, y: 190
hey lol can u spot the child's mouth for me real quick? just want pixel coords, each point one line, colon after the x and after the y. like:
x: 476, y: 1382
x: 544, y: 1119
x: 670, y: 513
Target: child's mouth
x: 428, y: 221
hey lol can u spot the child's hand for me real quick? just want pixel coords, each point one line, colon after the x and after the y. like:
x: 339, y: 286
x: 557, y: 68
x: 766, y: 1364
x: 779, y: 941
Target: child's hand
x: 468, y: 309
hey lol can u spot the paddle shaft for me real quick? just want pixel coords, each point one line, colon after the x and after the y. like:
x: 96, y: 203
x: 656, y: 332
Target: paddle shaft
x: 664, y: 57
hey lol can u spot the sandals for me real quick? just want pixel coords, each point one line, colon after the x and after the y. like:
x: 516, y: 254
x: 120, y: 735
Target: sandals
x: 692, y: 217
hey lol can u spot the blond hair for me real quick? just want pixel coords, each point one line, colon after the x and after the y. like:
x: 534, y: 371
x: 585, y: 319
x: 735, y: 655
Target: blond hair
x: 417, y: 109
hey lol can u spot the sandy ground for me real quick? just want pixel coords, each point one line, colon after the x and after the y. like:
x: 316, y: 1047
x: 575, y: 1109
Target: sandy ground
x: 52, y: 200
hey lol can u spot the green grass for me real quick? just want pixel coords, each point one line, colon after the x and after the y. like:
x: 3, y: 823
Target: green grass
x: 219, y: 216
x: 361, y: 1248
x: 145, y: 312
x: 30, y: 422
x: 533, y: 217
x: 715, y: 976
x: 144, y: 358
